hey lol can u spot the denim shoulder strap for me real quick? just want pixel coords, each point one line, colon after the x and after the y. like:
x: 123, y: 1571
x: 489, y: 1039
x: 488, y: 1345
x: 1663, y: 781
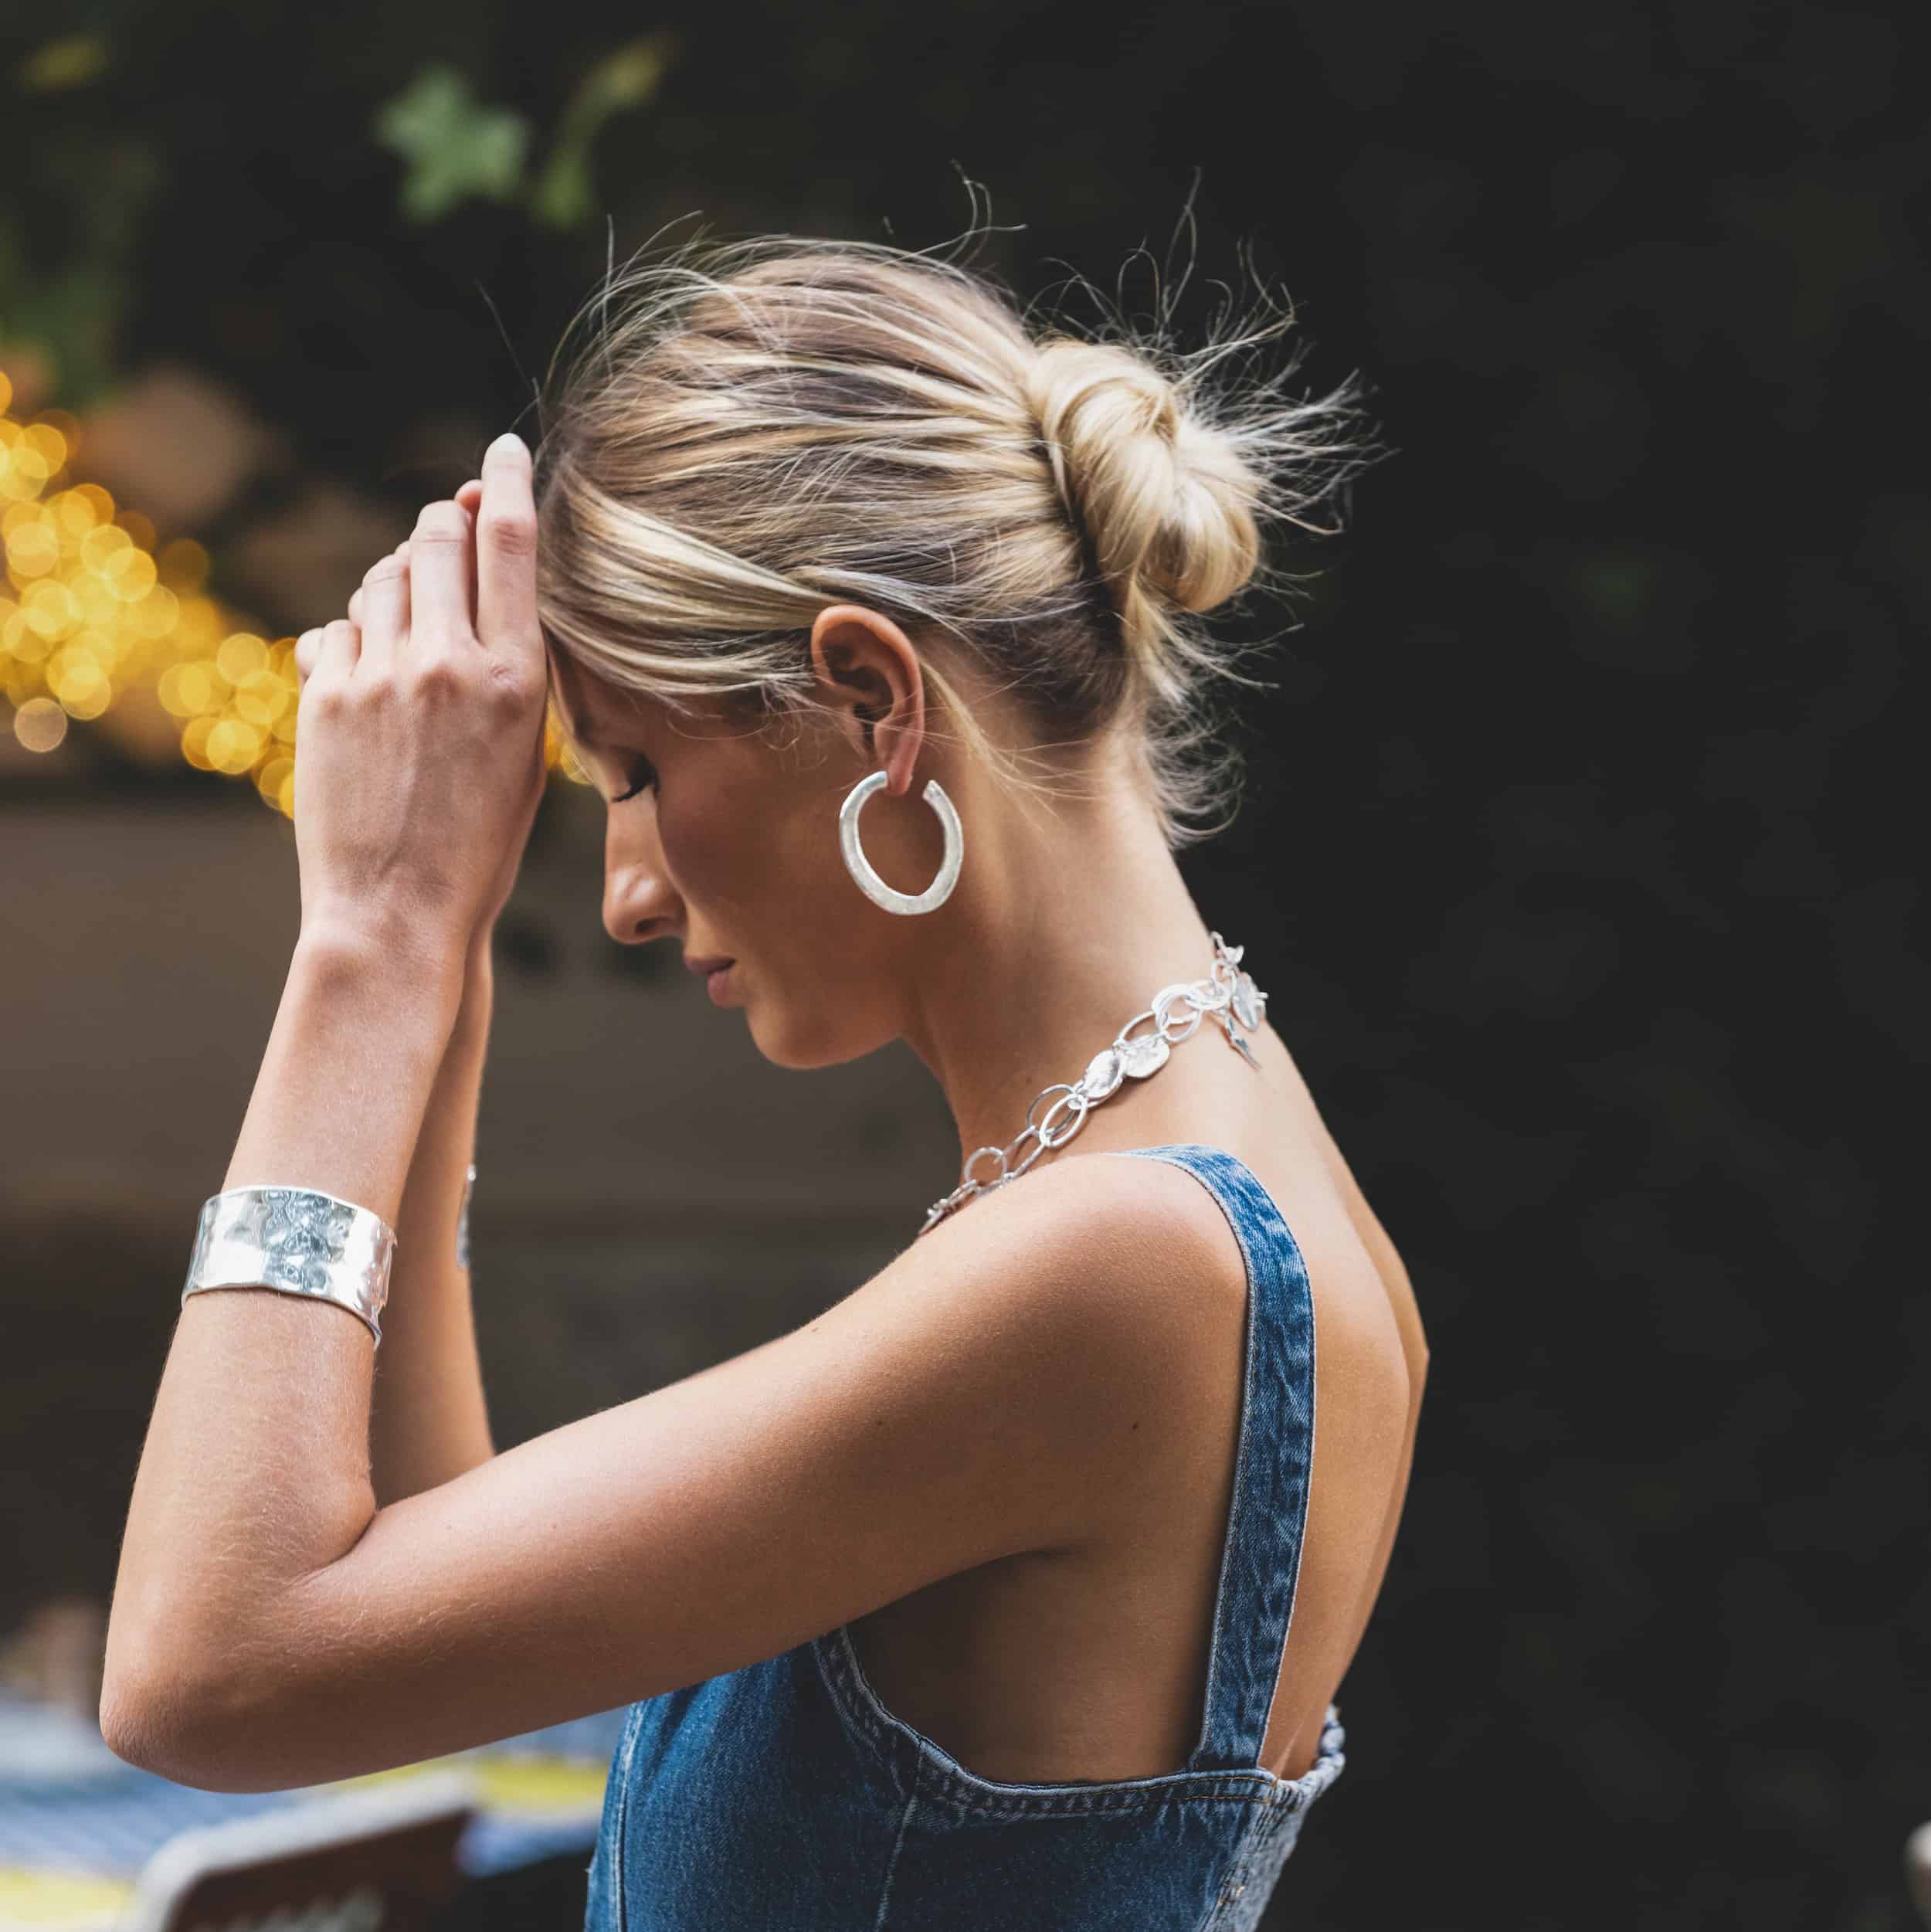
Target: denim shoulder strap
x: 1260, y: 1563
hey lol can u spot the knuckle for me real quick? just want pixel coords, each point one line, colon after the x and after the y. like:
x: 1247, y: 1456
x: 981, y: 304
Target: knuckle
x: 436, y: 675
x: 512, y: 688
x: 444, y: 522
x: 513, y: 532
x: 383, y: 570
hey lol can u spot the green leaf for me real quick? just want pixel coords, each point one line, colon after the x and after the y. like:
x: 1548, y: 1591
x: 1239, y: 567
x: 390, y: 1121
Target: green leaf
x: 564, y: 195
x: 454, y: 146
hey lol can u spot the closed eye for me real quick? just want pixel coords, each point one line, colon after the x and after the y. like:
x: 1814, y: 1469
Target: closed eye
x: 650, y: 778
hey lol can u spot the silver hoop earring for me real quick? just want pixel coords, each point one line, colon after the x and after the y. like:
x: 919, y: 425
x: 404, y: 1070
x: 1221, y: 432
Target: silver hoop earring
x: 875, y: 888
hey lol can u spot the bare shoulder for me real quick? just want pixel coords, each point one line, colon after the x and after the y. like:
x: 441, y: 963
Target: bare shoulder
x: 1112, y: 1254
x: 1082, y: 1239
x: 1093, y: 1291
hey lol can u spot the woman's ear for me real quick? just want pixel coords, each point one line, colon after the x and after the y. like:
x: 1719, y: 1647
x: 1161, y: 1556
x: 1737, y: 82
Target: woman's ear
x: 869, y: 679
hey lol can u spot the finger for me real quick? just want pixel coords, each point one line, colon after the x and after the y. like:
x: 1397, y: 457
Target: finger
x: 506, y: 549
x: 355, y: 600
x: 339, y: 650
x: 470, y: 495
x: 307, y: 645
x: 438, y: 575
x: 385, y: 616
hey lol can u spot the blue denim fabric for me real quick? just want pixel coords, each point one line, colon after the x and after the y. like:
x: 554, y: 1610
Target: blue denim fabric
x: 785, y: 1796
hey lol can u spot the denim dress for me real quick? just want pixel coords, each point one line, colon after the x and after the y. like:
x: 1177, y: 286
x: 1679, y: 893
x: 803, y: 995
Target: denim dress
x: 787, y: 1798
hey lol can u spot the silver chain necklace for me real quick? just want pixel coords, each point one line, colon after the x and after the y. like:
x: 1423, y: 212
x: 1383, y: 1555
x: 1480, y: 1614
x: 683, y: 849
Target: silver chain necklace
x: 1228, y: 995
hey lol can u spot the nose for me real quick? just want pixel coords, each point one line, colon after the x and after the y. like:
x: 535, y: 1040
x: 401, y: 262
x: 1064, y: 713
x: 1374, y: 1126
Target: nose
x: 640, y: 902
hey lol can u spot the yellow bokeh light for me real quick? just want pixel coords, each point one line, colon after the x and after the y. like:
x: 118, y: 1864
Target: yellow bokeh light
x: 261, y: 697
x: 32, y: 549
x: 90, y: 604
x: 233, y: 745
x: 95, y: 598
x: 51, y: 446
x: 40, y: 724
x: 89, y: 701
x: 130, y: 573
x: 78, y: 682
x: 270, y: 779
x: 50, y: 608
x: 99, y: 546
x: 157, y: 614
x: 241, y: 655
x: 74, y: 511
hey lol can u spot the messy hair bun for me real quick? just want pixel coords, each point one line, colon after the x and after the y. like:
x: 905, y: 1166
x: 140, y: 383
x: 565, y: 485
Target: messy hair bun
x: 1164, y: 500
x: 761, y: 429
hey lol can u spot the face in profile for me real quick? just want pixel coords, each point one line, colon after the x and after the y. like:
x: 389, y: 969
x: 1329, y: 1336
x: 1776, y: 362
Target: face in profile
x: 723, y: 841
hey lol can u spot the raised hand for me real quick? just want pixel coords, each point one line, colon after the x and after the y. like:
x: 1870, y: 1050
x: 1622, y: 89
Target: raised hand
x: 419, y: 757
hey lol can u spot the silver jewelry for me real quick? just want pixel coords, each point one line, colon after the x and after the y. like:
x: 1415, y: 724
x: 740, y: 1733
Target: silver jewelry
x: 297, y: 1240
x: 1230, y: 996
x: 861, y: 868
x: 463, y: 1220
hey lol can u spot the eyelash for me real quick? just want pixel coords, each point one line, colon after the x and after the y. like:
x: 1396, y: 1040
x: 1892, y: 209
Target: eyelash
x: 649, y: 779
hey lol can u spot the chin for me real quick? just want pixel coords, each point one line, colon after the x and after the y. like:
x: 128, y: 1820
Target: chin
x: 803, y: 1051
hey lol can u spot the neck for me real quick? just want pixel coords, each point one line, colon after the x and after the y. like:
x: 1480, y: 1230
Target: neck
x: 1068, y: 922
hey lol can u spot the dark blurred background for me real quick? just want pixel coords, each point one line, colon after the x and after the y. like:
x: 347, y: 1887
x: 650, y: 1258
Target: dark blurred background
x: 1574, y: 856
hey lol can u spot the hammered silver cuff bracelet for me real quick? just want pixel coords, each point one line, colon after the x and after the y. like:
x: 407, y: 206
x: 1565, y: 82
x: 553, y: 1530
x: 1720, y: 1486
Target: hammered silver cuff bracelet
x: 297, y: 1240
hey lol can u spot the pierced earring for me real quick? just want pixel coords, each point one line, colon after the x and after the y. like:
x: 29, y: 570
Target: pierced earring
x: 875, y: 888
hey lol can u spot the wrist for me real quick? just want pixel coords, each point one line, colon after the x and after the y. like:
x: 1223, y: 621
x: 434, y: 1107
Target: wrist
x: 398, y: 960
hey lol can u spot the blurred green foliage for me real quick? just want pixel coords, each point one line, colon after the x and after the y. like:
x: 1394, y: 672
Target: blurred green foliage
x: 67, y: 252
x: 455, y: 146
x: 90, y: 190
x: 564, y: 195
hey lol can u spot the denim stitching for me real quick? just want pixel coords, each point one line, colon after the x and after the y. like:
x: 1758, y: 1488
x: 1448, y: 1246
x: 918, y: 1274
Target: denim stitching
x: 627, y: 1750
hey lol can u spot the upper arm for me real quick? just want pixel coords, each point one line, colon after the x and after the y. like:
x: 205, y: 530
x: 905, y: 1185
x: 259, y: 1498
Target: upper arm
x: 969, y: 1401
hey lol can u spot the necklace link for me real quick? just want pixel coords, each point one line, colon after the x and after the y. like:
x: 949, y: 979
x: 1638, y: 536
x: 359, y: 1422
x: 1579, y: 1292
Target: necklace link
x: 1227, y: 995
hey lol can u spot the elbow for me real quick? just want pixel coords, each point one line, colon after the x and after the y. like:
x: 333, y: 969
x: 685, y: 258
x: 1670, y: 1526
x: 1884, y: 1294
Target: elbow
x: 172, y: 1719
x: 133, y: 1728
x: 136, y: 1722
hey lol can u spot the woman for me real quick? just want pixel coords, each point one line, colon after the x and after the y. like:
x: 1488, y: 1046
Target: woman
x: 1015, y: 1589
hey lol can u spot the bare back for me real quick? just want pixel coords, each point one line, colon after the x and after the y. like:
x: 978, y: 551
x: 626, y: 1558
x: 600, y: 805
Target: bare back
x: 1090, y: 1660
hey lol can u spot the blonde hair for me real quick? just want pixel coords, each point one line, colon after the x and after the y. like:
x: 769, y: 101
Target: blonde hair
x: 767, y: 427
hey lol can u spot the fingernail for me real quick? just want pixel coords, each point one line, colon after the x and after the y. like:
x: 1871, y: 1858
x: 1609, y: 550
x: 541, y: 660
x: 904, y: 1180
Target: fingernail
x: 509, y: 443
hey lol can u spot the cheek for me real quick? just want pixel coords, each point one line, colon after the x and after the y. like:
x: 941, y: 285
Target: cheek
x: 735, y: 845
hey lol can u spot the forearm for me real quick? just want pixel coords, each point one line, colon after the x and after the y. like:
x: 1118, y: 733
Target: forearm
x: 430, y: 1421
x: 255, y: 1472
